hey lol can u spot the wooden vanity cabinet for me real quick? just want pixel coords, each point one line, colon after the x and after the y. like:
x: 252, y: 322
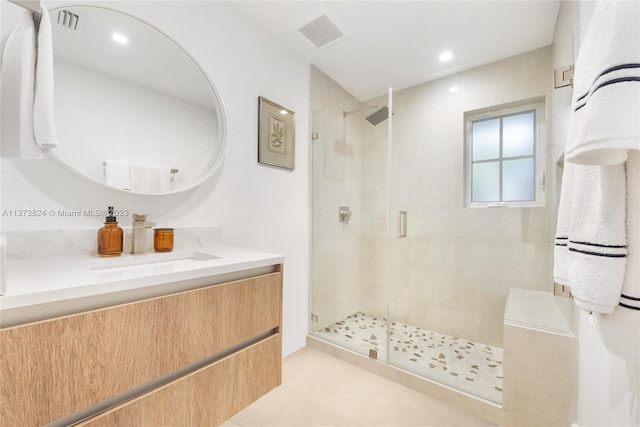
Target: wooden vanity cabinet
x: 207, y: 397
x: 230, y: 332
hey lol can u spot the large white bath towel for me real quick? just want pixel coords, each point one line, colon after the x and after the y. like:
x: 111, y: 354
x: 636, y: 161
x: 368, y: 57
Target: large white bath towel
x: 590, y: 252
x: 43, y: 117
x: 597, y: 234
x: 604, y: 122
x: 620, y: 330
x: 18, y: 68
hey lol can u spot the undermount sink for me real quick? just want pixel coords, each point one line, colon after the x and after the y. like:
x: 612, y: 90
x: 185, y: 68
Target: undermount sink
x: 151, y: 263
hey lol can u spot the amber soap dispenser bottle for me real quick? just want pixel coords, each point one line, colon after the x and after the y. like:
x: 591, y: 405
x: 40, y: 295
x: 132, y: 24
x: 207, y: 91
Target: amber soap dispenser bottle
x: 110, y: 237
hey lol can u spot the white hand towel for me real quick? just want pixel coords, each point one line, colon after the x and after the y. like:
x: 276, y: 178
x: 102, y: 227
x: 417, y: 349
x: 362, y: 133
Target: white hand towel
x: 604, y: 122
x: 596, y: 257
x: 116, y: 174
x: 561, y: 250
x: 18, y: 73
x: 150, y: 179
x: 43, y: 117
x: 620, y: 330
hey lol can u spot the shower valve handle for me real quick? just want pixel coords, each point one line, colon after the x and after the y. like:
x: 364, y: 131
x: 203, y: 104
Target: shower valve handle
x: 344, y: 214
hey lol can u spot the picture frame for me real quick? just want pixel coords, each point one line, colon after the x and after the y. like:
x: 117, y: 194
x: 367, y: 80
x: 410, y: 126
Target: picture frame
x: 276, y: 134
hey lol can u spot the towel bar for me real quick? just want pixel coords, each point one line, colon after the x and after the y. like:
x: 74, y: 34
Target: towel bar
x: 172, y: 171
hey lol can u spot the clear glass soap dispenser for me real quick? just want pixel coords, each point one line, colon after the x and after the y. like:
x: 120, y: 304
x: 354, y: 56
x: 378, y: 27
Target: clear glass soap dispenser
x: 110, y: 237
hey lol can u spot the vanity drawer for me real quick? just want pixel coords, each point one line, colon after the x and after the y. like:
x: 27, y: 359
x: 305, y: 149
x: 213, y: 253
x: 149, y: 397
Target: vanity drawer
x: 56, y: 367
x: 207, y: 397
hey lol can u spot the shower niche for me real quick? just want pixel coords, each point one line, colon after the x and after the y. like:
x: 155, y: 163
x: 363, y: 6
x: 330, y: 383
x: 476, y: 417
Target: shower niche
x: 427, y: 294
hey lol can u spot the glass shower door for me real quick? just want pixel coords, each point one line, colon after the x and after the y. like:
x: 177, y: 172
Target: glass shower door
x: 439, y: 321
x: 349, y: 226
x: 374, y: 124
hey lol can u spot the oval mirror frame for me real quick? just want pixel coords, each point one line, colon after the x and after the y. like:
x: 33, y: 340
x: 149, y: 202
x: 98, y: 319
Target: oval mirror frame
x: 220, y: 136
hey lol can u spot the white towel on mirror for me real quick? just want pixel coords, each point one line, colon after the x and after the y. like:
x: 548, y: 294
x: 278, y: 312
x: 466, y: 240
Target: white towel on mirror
x: 18, y: 74
x: 150, y: 179
x: 116, y: 174
x: 43, y: 114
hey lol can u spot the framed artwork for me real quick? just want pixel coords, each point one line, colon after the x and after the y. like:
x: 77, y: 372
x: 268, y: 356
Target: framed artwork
x: 276, y: 134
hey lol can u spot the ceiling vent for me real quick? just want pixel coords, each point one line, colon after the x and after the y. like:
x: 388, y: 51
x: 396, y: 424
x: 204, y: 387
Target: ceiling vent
x: 321, y: 31
x: 321, y: 28
x: 70, y: 20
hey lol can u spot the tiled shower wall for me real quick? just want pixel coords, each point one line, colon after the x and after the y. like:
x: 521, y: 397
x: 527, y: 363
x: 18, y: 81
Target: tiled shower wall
x: 451, y: 274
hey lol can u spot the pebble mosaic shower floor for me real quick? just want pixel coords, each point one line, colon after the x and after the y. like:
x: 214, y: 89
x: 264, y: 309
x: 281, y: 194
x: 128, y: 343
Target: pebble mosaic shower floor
x: 469, y: 366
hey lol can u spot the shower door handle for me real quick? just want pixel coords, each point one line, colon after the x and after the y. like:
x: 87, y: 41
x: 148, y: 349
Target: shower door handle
x: 402, y: 224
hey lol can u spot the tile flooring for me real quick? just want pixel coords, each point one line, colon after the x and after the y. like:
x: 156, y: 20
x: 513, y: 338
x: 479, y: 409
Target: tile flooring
x: 466, y: 365
x: 320, y: 390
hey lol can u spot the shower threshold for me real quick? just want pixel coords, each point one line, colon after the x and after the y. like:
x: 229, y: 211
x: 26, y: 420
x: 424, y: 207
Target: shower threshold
x: 469, y: 366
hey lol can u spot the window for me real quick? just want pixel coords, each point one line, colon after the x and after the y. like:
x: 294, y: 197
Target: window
x: 505, y: 156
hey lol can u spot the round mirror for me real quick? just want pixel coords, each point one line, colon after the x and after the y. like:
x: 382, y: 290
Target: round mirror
x: 133, y: 110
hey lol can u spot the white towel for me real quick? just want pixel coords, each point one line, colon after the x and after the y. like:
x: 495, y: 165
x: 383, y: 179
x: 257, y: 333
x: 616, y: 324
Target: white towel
x: 561, y: 250
x: 116, y: 174
x: 596, y: 245
x: 43, y: 117
x: 604, y: 122
x: 597, y: 218
x: 150, y: 179
x: 18, y: 73
x: 620, y: 330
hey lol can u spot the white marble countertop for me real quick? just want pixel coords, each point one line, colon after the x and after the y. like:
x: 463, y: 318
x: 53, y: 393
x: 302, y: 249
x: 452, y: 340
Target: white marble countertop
x: 40, y: 288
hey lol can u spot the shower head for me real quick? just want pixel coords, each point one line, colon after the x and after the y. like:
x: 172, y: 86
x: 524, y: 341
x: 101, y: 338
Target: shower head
x: 348, y: 113
x: 379, y: 116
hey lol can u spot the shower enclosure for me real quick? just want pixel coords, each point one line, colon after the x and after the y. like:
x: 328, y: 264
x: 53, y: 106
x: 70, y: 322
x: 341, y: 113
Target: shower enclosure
x: 402, y: 270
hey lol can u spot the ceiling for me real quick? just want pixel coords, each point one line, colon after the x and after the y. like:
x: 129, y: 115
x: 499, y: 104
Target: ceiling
x: 397, y: 43
x: 90, y: 46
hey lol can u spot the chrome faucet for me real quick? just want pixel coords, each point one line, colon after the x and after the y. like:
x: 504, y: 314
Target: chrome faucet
x: 139, y: 233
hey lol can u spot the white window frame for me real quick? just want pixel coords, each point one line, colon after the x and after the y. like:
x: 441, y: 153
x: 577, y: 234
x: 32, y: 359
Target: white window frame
x: 538, y: 106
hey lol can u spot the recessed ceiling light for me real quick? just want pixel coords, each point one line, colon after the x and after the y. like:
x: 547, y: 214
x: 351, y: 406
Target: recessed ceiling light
x: 283, y: 112
x: 453, y: 89
x: 446, y: 56
x: 119, y: 38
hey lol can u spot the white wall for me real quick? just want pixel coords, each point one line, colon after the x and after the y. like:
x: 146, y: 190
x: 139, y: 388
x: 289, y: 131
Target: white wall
x: 608, y: 387
x: 258, y: 207
x: 128, y: 121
